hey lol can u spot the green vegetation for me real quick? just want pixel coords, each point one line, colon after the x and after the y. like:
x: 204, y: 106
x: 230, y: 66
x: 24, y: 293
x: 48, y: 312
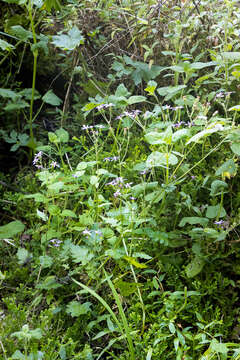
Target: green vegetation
x: 120, y: 192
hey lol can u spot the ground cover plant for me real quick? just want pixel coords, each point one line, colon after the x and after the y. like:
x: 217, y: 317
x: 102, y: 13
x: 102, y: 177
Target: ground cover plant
x: 119, y: 181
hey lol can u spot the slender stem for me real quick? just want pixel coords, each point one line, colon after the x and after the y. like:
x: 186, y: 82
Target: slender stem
x: 35, y: 56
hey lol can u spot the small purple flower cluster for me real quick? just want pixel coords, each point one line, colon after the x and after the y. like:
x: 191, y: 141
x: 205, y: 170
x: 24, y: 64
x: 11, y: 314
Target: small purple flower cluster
x: 222, y: 224
x: 132, y: 114
x: 119, y: 183
x: 55, y: 242
x: 90, y: 127
x: 37, y: 159
x: 180, y: 123
x: 223, y: 94
x: 54, y: 164
x: 114, y: 158
x: 104, y: 106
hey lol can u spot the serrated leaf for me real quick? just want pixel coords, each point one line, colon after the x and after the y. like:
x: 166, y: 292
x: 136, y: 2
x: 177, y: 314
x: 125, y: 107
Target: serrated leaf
x: 51, y: 98
x: 11, y: 229
x: 45, y: 261
x: 49, y: 283
x: 74, y: 308
x: 195, y: 267
x: 70, y: 41
x: 81, y: 254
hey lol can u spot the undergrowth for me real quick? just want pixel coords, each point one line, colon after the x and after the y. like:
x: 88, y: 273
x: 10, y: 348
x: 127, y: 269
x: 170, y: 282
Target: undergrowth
x: 120, y: 180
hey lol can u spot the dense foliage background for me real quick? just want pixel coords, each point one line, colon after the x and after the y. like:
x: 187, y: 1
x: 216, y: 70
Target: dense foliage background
x: 120, y: 146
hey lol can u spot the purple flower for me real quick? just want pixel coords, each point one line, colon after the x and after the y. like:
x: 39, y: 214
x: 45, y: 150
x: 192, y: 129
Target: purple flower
x: 37, y: 158
x: 116, y: 194
x: 220, y: 222
x: 55, y: 242
x: 86, y: 232
x: 114, y: 158
x: 104, y: 106
x: 54, y: 164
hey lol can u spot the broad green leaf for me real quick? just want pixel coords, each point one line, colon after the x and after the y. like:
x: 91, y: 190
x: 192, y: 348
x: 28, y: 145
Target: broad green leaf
x: 122, y: 91
x: 215, y: 211
x: 56, y: 186
x: 20, y: 32
x: 4, y: 45
x: 74, y: 308
x: 94, y: 180
x: 195, y: 267
x: 217, y: 187
x: 173, y: 90
x: 143, y: 187
x: 70, y: 41
x: 11, y: 229
x: 19, y: 104
x: 193, y: 220
x: 22, y: 255
x: 82, y: 166
x: 7, y: 93
x: 180, y: 134
x: 136, y: 99
x: 62, y: 135
x: 217, y: 346
x: 160, y: 138
x: 51, y: 98
x: 201, y: 65
x: 54, y: 209
x: 157, y: 158
x: 235, y: 147
x: 68, y: 213
x: 231, y: 56
x: 205, y: 133
x: 18, y: 355
x: 228, y: 167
